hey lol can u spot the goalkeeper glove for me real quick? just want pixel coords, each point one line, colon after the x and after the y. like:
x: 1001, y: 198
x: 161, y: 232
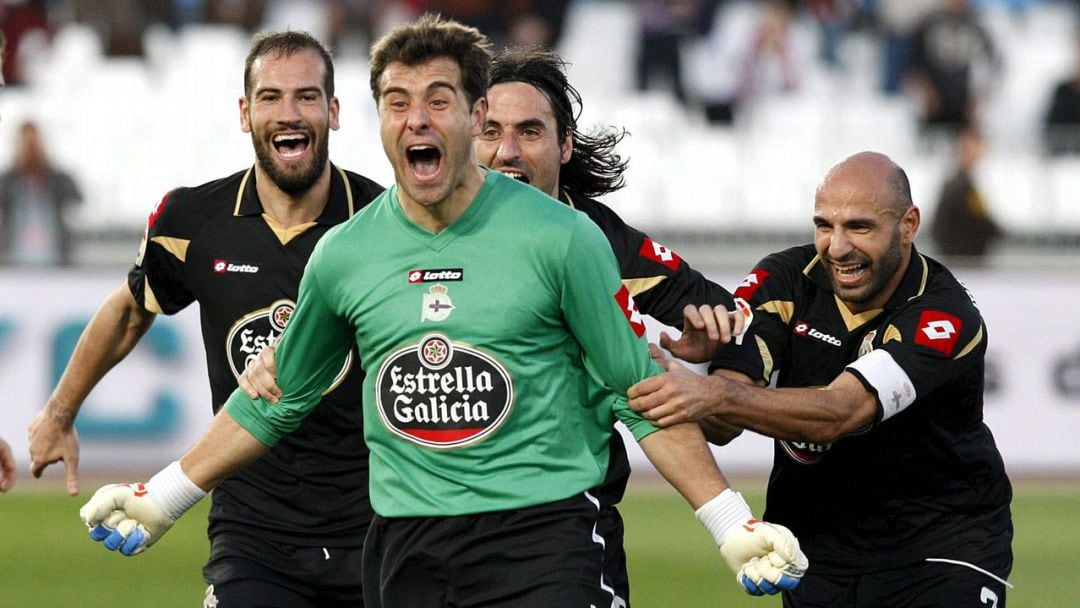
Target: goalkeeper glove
x: 765, y: 557
x: 131, y: 517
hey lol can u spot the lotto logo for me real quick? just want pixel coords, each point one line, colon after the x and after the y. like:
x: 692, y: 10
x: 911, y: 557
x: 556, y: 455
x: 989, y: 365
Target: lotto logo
x: 938, y: 330
x: 436, y: 274
x: 223, y: 266
x: 629, y: 308
x: 651, y: 250
x: 746, y: 288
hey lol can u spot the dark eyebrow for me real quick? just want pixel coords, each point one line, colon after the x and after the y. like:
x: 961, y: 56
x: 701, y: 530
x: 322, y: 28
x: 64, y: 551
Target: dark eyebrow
x: 431, y: 88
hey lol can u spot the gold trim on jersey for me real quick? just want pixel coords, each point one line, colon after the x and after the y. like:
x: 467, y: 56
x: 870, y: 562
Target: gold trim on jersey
x: 150, y: 302
x: 891, y: 333
x: 240, y: 190
x: 766, y: 359
x: 971, y: 345
x: 175, y: 246
x: 851, y: 320
x: 782, y: 308
x: 348, y: 190
x: 284, y: 235
x: 642, y: 284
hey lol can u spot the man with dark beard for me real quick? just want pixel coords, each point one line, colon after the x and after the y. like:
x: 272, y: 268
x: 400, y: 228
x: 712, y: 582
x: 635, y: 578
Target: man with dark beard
x: 288, y: 530
x: 883, y: 466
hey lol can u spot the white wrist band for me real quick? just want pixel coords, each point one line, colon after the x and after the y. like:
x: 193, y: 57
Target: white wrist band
x: 173, y: 491
x: 725, y: 511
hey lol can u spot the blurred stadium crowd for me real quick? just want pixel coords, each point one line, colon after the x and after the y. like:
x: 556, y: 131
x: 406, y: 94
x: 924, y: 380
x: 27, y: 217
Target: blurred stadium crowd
x: 735, y: 108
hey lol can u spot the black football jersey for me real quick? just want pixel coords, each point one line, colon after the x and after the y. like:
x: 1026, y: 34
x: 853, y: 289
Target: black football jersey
x: 662, y: 284
x: 926, y: 475
x: 213, y: 245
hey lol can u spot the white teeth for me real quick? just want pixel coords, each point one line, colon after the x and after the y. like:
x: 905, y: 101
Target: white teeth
x: 421, y: 147
x: 289, y: 137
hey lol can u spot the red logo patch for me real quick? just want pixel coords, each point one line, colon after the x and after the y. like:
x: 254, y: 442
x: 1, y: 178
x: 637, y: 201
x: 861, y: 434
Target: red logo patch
x: 629, y: 308
x: 746, y: 288
x: 938, y: 330
x: 150, y: 221
x: 140, y: 489
x: 651, y: 250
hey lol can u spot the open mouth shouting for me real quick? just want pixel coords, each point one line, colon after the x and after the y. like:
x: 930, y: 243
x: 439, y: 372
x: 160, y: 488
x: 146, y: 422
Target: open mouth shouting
x: 291, y: 146
x: 424, y: 161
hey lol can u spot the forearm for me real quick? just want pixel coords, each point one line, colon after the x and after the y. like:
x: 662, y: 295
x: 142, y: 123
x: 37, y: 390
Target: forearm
x: 112, y: 333
x: 682, y: 457
x: 798, y: 414
x: 225, y: 448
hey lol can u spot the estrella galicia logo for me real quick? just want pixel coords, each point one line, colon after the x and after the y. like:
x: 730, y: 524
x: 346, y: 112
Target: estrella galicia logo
x: 805, y: 452
x: 259, y: 329
x: 441, y: 394
x: 436, y: 274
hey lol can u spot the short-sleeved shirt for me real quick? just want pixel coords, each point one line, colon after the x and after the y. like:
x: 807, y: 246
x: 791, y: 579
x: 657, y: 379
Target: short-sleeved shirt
x: 483, y: 343
x: 926, y: 475
x: 212, y: 244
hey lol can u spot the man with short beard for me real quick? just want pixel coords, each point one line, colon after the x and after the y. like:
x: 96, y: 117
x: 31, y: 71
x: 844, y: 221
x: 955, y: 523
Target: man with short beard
x: 882, y: 464
x: 288, y: 530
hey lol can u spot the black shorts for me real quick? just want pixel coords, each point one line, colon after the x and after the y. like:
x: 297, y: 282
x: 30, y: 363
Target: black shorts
x: 972, y: 576
x: 246, y: 572
x: 547, y: 555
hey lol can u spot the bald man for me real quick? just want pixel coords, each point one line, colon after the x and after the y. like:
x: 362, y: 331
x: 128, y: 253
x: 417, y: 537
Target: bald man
x: 882, y: 464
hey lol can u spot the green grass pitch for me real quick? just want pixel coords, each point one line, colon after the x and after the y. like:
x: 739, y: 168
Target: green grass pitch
x: 47, y: 561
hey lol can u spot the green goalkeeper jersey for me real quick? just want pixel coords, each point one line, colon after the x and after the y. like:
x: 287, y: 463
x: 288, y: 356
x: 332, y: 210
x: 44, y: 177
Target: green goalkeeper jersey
x: 498, y: 352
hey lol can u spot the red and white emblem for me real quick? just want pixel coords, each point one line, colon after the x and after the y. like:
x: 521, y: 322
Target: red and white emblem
x: 938, y: 330
x: 746, y: 288
x: 629, y: 308
x: 651, y: 250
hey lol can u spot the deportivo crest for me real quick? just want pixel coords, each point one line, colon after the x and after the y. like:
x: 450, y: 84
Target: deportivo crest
x: 867, y: 344
x: 441, y: 394
x: 259, y: 329
x: 656, y: 252
x: 437, y: 305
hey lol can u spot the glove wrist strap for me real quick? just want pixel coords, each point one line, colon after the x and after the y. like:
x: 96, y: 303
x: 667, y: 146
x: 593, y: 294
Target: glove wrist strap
x: 173, y: 491
x: 725, y: 511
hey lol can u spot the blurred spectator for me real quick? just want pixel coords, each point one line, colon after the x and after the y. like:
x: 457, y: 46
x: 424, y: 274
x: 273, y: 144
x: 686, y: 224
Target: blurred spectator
x: 963, y: 228
x: 505, y: 22
x: 34, y: 197
x: 897, y: 20
x: 949, y: 45
x: 762, y: 56
x: 1062, y: 122
x: 119, y: 23
x: 833, y: 18
x: 663, y: 27
x: 245, y: 14
x: 18, y: 19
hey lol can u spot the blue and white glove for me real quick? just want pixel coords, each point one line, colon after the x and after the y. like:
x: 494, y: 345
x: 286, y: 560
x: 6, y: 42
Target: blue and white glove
x: 131, y: 517
x: 765, y: 557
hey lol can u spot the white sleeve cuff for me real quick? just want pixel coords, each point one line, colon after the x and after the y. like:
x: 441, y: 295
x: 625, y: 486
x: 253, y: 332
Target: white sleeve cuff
x: 895, y: 390
x: 173, y: 491
x: 725, y: 511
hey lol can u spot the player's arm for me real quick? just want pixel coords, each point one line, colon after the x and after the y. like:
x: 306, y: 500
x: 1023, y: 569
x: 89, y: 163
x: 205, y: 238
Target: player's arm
x: 800, y: 414
x: 7, y: 467
x: 117, y: 326
x: 132, y: 517
x: 765, y: 557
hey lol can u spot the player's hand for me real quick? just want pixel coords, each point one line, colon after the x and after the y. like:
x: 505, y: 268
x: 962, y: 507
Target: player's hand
x: 259, y: 379
x: 125, y: 517
x: 705, y: 329
x: 765, y: 557
x: 51, y: 440
x: 677, y: 396
x: 7, y: 467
